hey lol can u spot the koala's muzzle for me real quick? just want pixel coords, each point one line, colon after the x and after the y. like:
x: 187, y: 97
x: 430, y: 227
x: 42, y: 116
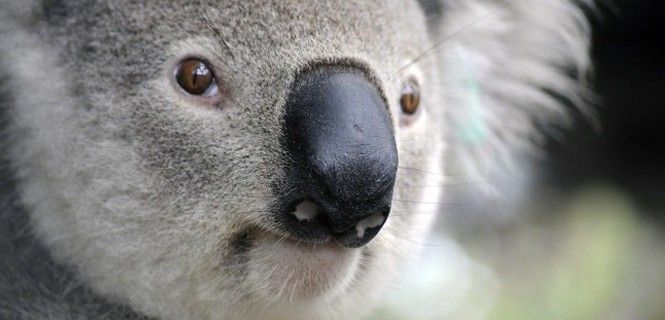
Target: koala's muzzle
x: 343, y: 158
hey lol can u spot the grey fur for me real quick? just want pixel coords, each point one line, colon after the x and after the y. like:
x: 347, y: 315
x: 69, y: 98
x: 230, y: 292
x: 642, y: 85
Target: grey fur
x: 147, y: 202
x: 32, y: 285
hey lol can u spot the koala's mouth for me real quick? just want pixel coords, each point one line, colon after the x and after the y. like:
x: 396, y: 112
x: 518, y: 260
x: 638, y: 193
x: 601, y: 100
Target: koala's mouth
x: 291, y: 269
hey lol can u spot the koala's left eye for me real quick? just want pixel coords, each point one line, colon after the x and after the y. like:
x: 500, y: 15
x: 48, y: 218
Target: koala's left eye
x: 410, y: 99
x: 196, y: 77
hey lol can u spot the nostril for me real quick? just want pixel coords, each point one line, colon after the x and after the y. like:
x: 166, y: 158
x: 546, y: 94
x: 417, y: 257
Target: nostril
x: 363, y: 231
x: 306, y: 211
x: 305, y: 220
x: 372, y: 221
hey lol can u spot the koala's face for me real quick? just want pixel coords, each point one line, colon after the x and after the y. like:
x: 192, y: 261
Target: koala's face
x: 229, y: 159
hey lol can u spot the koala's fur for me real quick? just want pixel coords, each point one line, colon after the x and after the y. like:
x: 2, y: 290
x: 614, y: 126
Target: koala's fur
x: 121, y: 199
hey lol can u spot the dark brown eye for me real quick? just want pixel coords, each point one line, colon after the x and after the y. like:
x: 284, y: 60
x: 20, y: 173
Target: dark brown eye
x: 410, y: 99
x: 196, y: 78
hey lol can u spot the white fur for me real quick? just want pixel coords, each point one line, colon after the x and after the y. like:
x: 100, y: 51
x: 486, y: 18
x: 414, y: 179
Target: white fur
x: 500, y: 57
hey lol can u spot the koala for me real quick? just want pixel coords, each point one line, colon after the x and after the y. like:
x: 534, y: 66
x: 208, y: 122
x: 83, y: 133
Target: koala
x: 247, y: 159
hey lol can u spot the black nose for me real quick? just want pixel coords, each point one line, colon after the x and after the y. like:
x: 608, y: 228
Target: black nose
x: 339, y: 136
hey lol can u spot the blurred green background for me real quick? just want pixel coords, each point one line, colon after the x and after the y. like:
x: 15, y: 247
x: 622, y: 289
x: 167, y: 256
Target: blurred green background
x: 588, y: 255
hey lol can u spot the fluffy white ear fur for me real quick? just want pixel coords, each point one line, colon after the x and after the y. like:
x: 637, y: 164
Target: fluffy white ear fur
x: 511, y: 70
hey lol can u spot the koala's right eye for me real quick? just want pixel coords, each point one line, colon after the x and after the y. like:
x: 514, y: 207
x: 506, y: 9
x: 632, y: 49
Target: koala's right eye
x: 410, y: 99
x: 196, y: 78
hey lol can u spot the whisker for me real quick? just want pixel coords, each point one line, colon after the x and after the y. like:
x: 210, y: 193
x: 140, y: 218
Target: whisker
x: 444, y: 185
x: 430, y: 172
x: 429, y: 203
x: 398, y: 234
x: 408, y: 214
x: 444, y: 40
x: 215, y: 30
x: 204, y: 45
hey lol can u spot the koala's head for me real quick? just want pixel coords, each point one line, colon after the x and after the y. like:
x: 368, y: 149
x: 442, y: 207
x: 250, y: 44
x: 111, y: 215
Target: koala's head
x: 255, y: 159
x: 218, y: 159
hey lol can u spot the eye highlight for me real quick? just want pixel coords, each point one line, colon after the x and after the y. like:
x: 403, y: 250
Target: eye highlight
x: 410, y: 97
x: 196, y: 78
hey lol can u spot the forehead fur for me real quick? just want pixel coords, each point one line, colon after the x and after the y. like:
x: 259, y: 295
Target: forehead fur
x: 282, y: 33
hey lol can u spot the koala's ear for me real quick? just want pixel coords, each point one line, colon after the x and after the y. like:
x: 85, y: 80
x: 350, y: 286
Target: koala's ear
x: 511, y: 70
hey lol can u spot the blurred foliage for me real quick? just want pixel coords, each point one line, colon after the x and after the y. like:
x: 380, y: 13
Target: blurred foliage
x: 589, y: 257
x: 583, y: 278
